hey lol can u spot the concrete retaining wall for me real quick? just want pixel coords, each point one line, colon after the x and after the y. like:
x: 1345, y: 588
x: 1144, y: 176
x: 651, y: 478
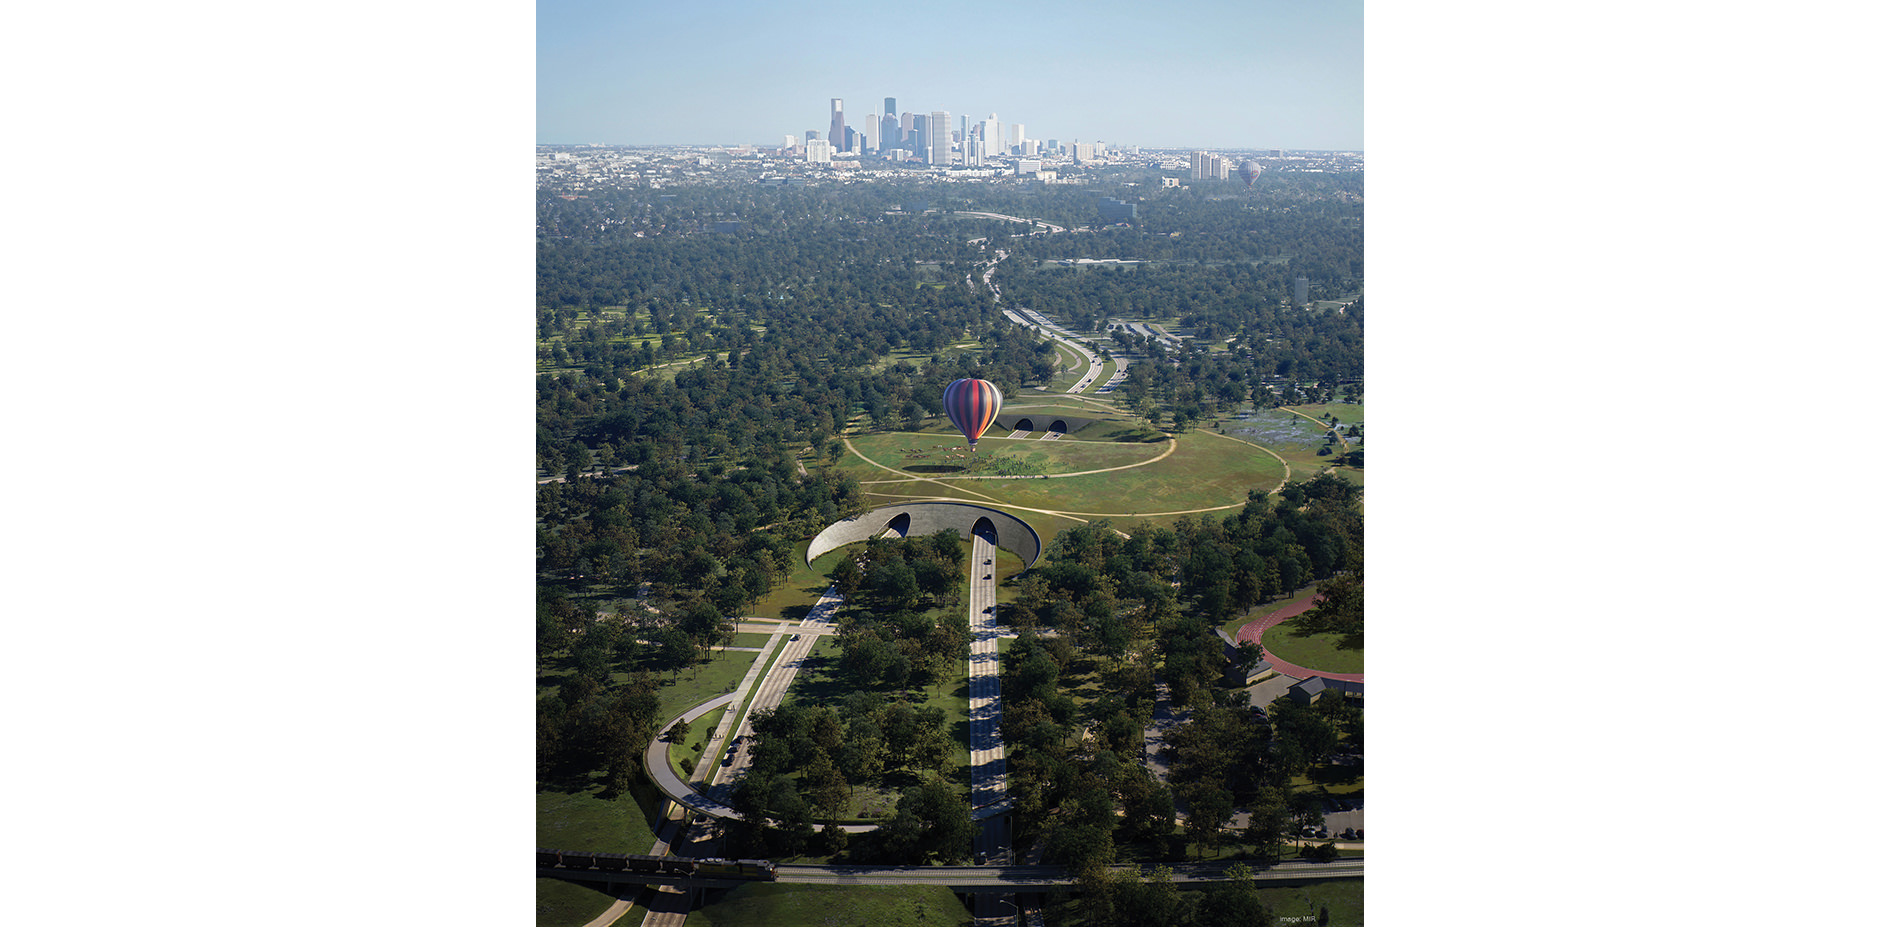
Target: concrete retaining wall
x: 1009, y: 422
x: 1012, y: 533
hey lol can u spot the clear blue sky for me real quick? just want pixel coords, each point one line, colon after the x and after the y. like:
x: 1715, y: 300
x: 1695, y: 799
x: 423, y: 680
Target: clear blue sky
x: 1199, y: 73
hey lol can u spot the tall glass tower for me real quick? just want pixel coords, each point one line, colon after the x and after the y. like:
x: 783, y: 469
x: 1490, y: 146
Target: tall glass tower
x: 939, y: 139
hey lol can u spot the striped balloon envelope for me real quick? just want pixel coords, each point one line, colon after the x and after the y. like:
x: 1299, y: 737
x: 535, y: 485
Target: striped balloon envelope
x: 972, y: 405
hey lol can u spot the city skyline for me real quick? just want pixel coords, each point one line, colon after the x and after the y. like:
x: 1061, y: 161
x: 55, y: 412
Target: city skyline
x: 1207, y: 74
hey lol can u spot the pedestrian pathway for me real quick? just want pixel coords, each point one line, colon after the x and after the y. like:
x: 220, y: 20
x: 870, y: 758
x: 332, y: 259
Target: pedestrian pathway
x: 1253, y: 629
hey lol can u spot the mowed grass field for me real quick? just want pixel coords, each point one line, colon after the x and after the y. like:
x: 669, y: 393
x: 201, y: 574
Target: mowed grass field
x: 1344, y: 901
x: 559, y: 903
x: 925, y: 455
x: 1204, y: 472
x: 833, y: 906
x: 1316, y: 652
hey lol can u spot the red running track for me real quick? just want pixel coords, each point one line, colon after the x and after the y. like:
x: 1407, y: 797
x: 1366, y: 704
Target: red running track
x: 1253, y: 629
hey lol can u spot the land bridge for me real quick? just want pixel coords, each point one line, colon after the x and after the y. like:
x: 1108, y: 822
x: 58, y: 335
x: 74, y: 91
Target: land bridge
x: 1061, y: 423
x: 920, y: 518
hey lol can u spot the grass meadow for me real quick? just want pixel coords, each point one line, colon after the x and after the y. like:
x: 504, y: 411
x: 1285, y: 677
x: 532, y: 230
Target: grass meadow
x: 833, y: 906
x: 559, y: 903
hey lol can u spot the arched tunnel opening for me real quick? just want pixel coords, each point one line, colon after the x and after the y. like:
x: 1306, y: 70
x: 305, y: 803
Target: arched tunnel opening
x: 985, y: 529
x: 1024, y: 425
x: 900, y: 524
x: 1059, y: 427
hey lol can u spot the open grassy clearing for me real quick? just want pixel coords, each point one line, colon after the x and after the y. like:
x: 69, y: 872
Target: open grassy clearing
x: 1348, y: 413
x: 720, y: 673
x: 1295, y: 438
x: 1203, y: 472
x: 1343, y: 899
x: 1175, y: 848
x: 1317, y: 652
x: 582, y: 820
x: 833, y: 906
x: 934, y: 456
x: 684, y: 757
x: 792, y: 599
x: 559, y: 903
x: 1278, y: 429
x: 573, y: 815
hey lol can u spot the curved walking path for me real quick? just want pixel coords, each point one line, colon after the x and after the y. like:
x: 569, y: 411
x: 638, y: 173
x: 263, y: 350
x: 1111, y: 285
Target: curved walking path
x: 1337, y: 431
x: 1172, y: 446
x: 1253, y: 629
x: 1074, y: 516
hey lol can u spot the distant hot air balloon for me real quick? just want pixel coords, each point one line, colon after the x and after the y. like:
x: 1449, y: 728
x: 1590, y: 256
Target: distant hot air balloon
x: 972, y: 405
x: 1250, y: 171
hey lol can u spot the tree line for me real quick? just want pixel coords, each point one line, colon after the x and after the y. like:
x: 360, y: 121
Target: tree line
x: 1130, y: 610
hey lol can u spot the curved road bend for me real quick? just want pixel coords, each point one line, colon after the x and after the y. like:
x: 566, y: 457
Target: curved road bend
x: 670, y: 903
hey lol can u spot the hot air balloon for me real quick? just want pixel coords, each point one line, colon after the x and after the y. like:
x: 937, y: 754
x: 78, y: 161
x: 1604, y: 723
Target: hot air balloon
x: 1250, y: 172
x: 972, y: 405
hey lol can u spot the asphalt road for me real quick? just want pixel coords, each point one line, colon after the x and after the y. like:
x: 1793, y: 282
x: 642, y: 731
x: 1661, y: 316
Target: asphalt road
x: 1026, y: 877
x: 988, y: 773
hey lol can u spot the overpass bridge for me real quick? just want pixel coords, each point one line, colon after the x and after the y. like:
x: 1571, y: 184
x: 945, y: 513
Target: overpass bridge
x: 975, y: 880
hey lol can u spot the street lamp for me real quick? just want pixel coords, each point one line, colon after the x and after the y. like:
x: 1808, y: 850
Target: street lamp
x: 1016, y: 915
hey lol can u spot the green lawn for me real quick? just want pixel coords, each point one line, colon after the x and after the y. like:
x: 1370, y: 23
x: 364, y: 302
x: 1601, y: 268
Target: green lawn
x: 582, y: 820
x: 1345, y: 413
x: 1316, y: 652
x: 576, y: 817
x: 1343, y: 899
x: 793, y: 598
x: 923, y: 454
x: 1204, y: 472
x: 558, y: 903
x: 833, y: 906
x: 682, y: 755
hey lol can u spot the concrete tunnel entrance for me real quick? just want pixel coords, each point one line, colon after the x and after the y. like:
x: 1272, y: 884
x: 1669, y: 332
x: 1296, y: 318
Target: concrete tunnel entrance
x: 1000, y: 528
x: 985, y: 529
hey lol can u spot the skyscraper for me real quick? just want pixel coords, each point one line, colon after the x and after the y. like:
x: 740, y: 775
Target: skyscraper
x: 837, y: 124
x: 890, y: 137
x: 871, y: 134
x: 939, y: 138
x: 1016, y: 139
x: 992, y: 136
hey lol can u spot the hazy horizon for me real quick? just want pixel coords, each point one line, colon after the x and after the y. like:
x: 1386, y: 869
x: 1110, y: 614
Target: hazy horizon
x: 1204, y: 74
